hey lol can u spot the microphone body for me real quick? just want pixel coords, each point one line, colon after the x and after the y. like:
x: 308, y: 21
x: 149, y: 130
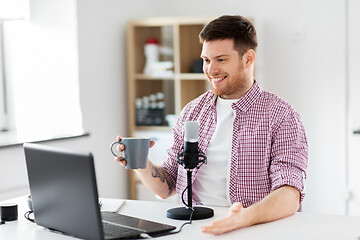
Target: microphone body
x: 191, y: 150
x: 191, y: 155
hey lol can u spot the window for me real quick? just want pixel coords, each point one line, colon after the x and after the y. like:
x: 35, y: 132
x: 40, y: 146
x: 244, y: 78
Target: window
x: 41, y: 64
x: 9, y: 10
x: 3, y: 102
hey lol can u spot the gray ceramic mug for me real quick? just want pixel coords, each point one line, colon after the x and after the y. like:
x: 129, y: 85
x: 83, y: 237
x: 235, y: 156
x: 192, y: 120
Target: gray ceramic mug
x: 135, y: 153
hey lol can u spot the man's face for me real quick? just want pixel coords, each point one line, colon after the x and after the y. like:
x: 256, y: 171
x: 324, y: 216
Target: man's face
x: 225, y: 69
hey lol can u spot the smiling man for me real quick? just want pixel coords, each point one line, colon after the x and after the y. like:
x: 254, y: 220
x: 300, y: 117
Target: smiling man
x: 266, y: 150
x: 254, y: 141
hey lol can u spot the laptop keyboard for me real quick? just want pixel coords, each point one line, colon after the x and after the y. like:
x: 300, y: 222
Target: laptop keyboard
x: 131, y: 226
x: 113, y: 231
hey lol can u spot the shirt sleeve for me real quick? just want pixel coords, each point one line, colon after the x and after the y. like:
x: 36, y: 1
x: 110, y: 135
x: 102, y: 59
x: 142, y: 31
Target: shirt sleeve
x: 289, y: 154
x: 170, y: 164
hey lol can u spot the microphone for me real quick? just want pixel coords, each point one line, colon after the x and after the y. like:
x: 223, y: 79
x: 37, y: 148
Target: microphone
x: 191, y: 157
x: 191, y: 152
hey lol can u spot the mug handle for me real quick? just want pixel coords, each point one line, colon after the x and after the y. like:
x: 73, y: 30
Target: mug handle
x: 112, y: 151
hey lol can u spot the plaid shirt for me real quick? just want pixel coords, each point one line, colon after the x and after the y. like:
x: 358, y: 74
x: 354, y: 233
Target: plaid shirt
x: 269, y: 147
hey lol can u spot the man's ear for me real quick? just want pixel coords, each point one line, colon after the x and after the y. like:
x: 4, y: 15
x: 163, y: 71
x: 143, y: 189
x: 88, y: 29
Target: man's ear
x: 249, y: 58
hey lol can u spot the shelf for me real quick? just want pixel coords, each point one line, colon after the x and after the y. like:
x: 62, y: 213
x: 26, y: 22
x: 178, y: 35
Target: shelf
x: 141, y: 76
x: 168, y: 21
x: 182, y: 76
x: 183, y: 85
x: 152, y: 128
x: 192, y: 76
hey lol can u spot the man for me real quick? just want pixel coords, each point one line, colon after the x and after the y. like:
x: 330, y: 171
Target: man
x: 254, y: 141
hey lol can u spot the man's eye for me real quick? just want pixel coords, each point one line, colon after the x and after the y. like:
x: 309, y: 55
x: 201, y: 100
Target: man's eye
x: 221, y: 60
x: 206, y: 60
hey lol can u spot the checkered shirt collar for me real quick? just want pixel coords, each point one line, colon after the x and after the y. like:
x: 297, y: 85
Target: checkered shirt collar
x: 246, y: 101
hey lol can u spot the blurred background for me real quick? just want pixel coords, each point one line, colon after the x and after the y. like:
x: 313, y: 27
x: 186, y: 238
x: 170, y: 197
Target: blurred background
x: 65, y: 64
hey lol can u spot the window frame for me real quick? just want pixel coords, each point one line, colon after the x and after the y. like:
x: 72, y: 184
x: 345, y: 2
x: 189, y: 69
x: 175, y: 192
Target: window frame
x: 3, y: 96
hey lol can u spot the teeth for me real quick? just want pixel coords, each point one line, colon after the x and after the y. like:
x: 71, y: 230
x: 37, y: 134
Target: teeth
x: 217, y: 79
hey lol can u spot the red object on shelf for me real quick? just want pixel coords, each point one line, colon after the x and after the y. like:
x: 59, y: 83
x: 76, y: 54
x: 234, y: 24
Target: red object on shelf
x: 152, y: 40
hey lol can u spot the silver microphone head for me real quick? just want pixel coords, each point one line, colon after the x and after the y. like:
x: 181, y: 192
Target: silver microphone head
x: 191, y: 131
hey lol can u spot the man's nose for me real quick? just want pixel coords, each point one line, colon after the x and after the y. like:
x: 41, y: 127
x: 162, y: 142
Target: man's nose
x: 212, y: 68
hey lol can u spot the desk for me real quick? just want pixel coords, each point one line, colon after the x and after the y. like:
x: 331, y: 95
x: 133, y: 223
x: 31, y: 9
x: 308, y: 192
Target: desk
x: 299, y: 226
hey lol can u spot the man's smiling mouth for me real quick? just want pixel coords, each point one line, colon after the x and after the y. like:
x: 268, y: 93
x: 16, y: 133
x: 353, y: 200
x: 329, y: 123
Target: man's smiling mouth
x: 217, y: 79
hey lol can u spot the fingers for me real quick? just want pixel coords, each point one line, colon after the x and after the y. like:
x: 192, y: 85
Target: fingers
x: 121, y: 161
x: 152, y: 143
x: 233, y: 221
x: 219, y: 226
x: 120, y: 147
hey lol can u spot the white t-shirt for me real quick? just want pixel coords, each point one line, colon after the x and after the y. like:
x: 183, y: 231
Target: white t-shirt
x: 211, y: 186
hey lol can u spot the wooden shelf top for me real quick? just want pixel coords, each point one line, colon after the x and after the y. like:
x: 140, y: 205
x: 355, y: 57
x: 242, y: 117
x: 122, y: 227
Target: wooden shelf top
x: 192, y: 76
x: 181, y: 76
x: 152, y: 128
x: 142, y: 76
x: 168, y: 21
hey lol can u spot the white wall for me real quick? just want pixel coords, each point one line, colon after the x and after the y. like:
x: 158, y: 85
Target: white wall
x: 354, y: 107
x: 301, y: 57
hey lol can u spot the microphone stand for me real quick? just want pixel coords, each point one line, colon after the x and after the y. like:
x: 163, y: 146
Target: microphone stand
x: 188, y: 212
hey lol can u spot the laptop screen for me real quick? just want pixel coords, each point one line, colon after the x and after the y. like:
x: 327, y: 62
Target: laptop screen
x: 64, y: 191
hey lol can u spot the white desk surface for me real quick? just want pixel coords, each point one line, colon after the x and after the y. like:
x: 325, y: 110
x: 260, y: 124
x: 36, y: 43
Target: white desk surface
x: 299, y: 226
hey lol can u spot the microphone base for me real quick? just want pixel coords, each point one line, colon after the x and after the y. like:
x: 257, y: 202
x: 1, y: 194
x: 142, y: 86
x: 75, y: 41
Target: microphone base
x: 183, y: 213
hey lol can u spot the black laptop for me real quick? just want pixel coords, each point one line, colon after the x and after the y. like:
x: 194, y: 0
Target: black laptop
x: 65, y: 198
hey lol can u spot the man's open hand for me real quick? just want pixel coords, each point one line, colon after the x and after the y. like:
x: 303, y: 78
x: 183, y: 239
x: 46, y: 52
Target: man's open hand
x: 237, y: 218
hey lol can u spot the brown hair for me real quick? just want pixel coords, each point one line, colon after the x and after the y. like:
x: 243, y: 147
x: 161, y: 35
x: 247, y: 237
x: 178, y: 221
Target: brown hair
x: 236, y: 27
